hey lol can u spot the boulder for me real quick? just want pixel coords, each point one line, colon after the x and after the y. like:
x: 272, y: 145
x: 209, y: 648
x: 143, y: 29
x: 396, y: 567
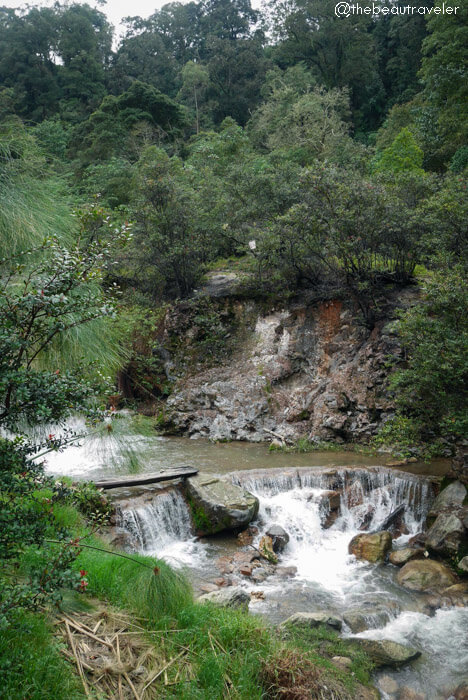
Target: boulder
x: 314, y: 619
x: 425, y: 575
x: 279, y: 537
x: 217, y: 504
x: 373, y: 547
x: 453, y: 495
x: 463, y: 564
x: 233, y: 597
x: 361, y: 619
x: 384, y: 652
x: 400, y: 557
x: 446, y: 534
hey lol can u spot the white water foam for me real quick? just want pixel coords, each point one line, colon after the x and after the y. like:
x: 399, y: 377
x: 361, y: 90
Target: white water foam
x: 163, y: 528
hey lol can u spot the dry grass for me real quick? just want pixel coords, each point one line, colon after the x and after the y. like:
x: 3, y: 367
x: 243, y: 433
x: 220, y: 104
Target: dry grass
x: 291, y: 675
x: 117, y: 658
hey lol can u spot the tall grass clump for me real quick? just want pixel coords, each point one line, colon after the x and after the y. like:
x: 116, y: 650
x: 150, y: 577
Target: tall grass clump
x: 143, y: 585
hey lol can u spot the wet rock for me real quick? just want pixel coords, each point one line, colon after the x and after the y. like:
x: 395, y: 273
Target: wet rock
x: 453, y: 495
x: 246, y: 536
x: 365, y: 617
x: 372, y: 547
x: 425, y: 575
x: 342, y: 662
x: 124, y: 541
x: 279, y: 537
x: 456, y: 595
x: 217, y: 504
x: 257, y: 595
x: 266, y: 548
x: 209, y: 587
x: 286, y: 571
x: 315, y: 619
x: 384, y: 652
x: 463, y: 564
x: 329, y: 505
x: 225, y: 564
x: 407, y: 693
x: 233, y: 597
x: 446, y: 534
x: 259, y: 575
x: 355, y: 620
x: 246, y: 570
x: 461, y: 693
x: 388, y: 685
x: 400, y: 557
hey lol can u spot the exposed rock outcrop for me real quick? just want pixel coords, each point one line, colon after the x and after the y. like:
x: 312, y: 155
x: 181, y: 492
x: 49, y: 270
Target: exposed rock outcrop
x: 217, y: 504
x: 312, y: 369
x: 373, y: 547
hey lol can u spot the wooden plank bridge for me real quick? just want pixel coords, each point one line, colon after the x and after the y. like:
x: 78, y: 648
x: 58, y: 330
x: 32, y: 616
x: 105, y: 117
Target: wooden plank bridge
x: 143, y: 479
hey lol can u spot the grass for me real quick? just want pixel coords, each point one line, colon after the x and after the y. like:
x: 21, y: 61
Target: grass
x: 223, y: 653
x: 304, y: 445
x: 31, y: 665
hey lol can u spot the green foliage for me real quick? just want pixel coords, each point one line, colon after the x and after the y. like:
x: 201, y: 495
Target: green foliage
x: 31, y: 664
x: 431, y: 391
x: 403, y: 155
x: 32, y: 200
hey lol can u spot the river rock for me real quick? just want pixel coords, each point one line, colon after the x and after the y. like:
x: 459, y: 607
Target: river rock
x: 372, y: 547
x: 217, y: 504
x: 400, y: 557
x: 452, y: 496
x: 314, y: 619
x: 369, y: 615
x: 425, y: 575
x: 446, y: 534
x: 233, y: 597
x: 407, y: 693
x: 266, y: 548
x: 388, y: 685
x: 279, y: 537
x: 461, y: 693
x: 463, y: 564
x: 384, y: 652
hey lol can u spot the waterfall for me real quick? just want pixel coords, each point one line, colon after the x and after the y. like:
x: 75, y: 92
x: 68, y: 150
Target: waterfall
x: 367, y: 496
x: 161, y: 526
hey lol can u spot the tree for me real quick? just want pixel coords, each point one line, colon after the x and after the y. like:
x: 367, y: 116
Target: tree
x: 341, y: 54
x: 109, y: 130
x: 195, y: 79
x: 443, y: 71
x: 431, y: 391
x: 403, y: 155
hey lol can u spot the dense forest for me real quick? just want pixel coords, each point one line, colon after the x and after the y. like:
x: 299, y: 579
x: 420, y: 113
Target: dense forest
x: 320, y: 155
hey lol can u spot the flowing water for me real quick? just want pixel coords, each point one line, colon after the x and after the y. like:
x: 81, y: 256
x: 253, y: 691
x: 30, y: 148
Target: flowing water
x: 290, y: 489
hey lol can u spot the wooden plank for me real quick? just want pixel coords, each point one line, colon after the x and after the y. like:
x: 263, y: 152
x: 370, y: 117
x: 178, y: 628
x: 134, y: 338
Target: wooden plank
x: 142, y: 479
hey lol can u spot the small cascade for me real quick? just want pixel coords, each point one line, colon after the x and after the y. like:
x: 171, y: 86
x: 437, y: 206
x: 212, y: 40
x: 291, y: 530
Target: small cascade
x: 161, y: 526
x: 368, y: 496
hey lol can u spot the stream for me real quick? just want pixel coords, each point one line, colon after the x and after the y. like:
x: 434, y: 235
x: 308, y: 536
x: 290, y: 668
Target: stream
x: 289, y: 488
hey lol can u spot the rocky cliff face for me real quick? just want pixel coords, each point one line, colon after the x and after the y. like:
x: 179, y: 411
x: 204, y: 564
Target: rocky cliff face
x: 310, y: 370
